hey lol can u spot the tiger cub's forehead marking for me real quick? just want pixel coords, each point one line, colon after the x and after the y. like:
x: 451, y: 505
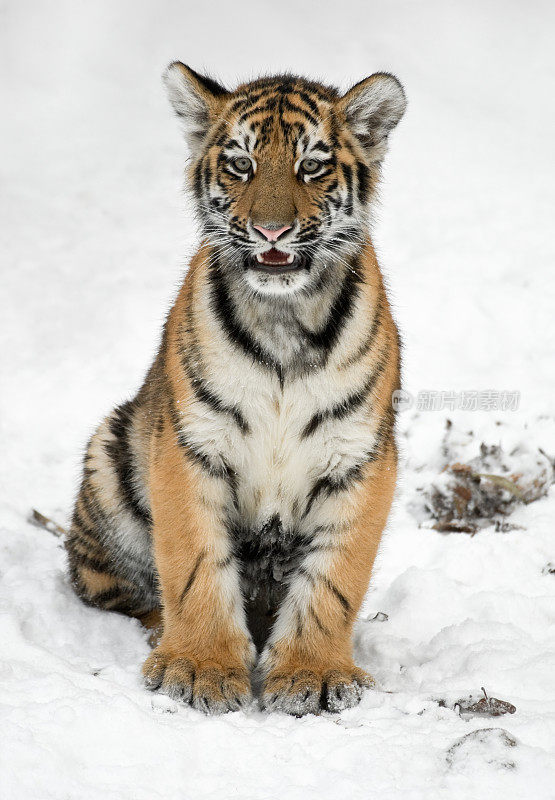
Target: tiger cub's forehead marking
x: 242, y: 139
x: 289, y: 113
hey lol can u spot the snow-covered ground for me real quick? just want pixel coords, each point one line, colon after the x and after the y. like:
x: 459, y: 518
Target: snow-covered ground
x: 95, y: 237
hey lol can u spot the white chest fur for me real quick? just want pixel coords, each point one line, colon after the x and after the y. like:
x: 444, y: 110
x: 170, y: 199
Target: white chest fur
x: 275, y: 463
x: 274, y: 460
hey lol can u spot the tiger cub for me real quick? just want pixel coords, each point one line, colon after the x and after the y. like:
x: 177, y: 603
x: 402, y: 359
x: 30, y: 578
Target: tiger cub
x: 239, y: 499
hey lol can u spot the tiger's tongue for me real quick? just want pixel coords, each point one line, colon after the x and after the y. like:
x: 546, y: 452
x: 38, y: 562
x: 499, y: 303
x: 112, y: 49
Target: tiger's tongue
x: 274, y: 256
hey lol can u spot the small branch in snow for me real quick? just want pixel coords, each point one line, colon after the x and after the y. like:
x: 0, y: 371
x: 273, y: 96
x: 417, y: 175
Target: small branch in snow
x: 40, y: 521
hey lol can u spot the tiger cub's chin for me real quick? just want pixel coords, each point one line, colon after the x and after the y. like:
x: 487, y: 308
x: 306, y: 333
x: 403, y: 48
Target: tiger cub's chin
x: 286, y: 282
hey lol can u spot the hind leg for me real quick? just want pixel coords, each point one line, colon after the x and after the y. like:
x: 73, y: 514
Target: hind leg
x: 109, y: 543
x: 99, y: 586
x: 104, y: 582
x: 101, y: 581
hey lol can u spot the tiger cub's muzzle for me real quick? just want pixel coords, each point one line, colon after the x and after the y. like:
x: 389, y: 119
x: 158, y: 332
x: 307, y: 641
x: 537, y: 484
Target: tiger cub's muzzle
x: 279, y: 250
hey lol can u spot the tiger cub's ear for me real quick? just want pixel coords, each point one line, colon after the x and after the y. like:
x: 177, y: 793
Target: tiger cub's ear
x: 373, y: 107
x: 195, y: 98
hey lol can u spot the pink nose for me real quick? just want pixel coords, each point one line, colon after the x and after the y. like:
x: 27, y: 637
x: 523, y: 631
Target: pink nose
x: 272, y: 236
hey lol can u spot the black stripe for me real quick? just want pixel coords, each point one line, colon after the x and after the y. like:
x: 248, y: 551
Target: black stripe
x: 119, y: 451
x: 329, y: 485
x: 268, y: 106
x: 322, y: 485
x: 341, y: 597
x: 363, y: 178
x: 81, y: 560
x: 318, y: 621
x: 265, y: 129
x: 207, y: 174
x: 306, y: 98
x: 369, y: 341
x: 289, y: 106
x: 192, y: 451
x: 384, y: 434
x: 224, y: 310
x: 92, y: 506
x: 87, y: 544
x: 118, y: 600
x: 102, y: 598
x: 159, y: 426
x: 328, y: 583
x: 80, y: 546
x: 79, y: 523
x: 128, y: 605
x: 215, y: 470
x: 197, y: 179
x: 320, y: 145
x: 203, y: 393
x: 348, y: 175
x: 321, y: 175
x: 237, y: 104
x: 94, y: 558
x: 339, y: 313
x: 217, y: 136
x: 191, y: 359
x: 346, y: 406
x: 256, y: 95
x: 286, y: 83
x: 299, y: 131
x: 192, y: 576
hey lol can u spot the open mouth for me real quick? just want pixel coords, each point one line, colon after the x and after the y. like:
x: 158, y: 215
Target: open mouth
x: 276, y: 262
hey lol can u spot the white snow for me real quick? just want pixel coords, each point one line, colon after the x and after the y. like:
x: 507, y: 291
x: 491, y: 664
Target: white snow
x: 95, y: 238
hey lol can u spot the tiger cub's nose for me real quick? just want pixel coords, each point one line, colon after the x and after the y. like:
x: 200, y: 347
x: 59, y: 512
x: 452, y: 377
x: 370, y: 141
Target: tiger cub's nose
x: 272, y: 235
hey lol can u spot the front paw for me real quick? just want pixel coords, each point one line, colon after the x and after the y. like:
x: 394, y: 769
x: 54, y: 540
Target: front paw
x: 305, y: 691
x: 208, y: 687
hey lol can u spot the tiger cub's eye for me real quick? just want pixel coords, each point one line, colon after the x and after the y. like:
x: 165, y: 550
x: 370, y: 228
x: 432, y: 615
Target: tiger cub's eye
x: 310, y: 165
x: 242, y: 164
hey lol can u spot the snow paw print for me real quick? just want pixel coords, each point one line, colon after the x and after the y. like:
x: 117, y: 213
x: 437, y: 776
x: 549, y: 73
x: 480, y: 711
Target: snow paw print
x: 308, y: 692
x: 208, y: 687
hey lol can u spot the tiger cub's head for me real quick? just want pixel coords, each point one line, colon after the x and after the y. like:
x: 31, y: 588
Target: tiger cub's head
x: 283, y: 170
